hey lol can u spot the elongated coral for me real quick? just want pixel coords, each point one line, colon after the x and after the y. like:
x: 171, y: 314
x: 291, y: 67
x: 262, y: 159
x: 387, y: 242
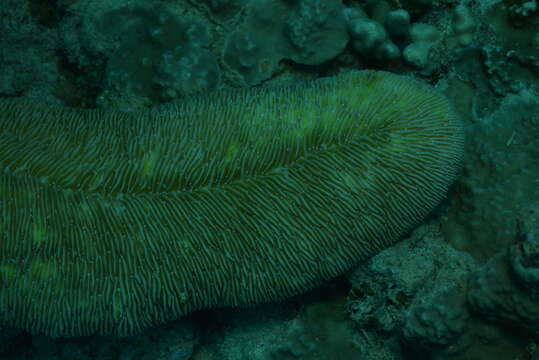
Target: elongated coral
x: 113, y: 222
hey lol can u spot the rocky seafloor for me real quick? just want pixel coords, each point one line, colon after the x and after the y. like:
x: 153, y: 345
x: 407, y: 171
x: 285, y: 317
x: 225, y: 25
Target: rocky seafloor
x: 463, y: 285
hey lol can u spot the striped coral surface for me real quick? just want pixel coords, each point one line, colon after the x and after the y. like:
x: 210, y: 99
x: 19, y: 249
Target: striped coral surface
x: 113, y: 222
